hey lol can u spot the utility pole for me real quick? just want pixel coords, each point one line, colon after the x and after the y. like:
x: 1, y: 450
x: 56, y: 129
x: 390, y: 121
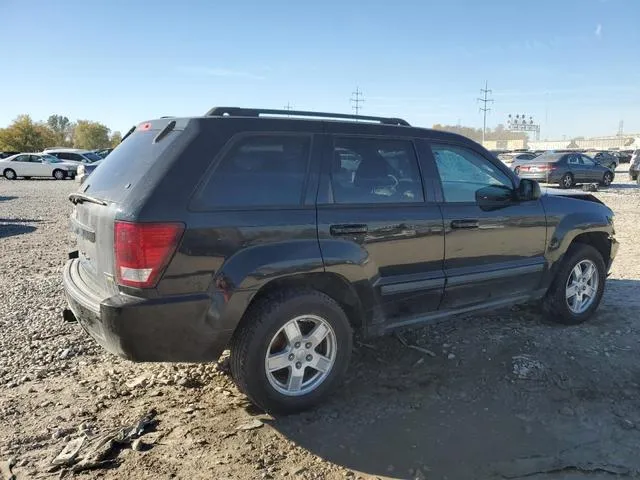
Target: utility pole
x: 288, y: 107
x: 484, y: 108
x: 356, y: 100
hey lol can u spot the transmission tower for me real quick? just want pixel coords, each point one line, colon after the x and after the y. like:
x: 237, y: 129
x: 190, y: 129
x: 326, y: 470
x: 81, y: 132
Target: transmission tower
x: 357, y: 99
x: 485, y: 100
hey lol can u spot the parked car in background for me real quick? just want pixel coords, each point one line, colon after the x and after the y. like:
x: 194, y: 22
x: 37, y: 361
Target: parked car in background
x: 86, y: 169
x: 634, y: 166
x: 517, y: 158
x: 7, y: 154
x: 29, y: 165
x: 625, y: 155
x: 104, y: 152
x: 566, y: 169
x: 74, y: 155
x: 605, y: 158
x: 286, y: 234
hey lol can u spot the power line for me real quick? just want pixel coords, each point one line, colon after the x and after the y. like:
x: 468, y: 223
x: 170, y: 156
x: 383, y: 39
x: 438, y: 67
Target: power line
x: 484, y: 109
x: 357, y: 98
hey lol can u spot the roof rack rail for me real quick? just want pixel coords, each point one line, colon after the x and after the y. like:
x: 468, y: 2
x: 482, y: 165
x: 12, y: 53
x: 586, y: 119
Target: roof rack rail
x: 256, y: 112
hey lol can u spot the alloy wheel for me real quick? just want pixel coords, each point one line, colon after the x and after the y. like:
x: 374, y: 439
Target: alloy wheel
x: 582, y: 286
x: 301, y: 355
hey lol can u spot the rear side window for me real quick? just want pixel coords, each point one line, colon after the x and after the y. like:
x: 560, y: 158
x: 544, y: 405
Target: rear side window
x: 374, y: 170
x: 259, y: 171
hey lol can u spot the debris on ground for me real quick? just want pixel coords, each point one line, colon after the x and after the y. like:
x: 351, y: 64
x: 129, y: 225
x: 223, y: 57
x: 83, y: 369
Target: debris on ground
x: 85, y: 453
x: 404, y: 342
x: 528, y: 368
x: 6, y: 469
x: 252, y: 425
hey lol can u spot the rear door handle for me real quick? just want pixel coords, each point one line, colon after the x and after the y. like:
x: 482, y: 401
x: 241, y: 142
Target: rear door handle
x: 348, y: 229
x: 465, y: 223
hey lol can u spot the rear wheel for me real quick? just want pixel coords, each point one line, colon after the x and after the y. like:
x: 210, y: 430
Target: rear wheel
x: 10, y: 174
x: 607, y: 179
x: 59, y: 175
x: 291, y: 350
x: 567, y: 180
x: 578, y: 287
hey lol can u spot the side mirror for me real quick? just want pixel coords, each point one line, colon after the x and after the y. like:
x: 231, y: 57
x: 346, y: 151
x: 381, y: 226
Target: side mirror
x: 528, y: 190
x: 493, y: 197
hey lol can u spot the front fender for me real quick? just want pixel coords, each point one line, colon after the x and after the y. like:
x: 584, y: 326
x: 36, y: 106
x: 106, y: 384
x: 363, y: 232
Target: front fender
x: 568, y: 218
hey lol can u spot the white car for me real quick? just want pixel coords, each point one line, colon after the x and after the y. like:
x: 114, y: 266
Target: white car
x: 74, y: 155
x: 29, y: 165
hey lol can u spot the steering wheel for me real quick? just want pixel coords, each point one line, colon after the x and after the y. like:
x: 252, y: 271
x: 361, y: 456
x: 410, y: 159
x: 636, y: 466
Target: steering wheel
x: 393, y: 177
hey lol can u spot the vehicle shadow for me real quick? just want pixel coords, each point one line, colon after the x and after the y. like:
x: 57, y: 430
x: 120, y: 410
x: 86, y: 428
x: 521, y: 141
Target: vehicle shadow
x: 13, y: 229
x: 406, y: 414
x: 6, y: 198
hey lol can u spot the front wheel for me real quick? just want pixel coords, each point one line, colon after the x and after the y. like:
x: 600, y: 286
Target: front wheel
x: 578, y: 287
x: 607, y: 179
x: 59, y: 175
x: 291, y: 350
x: 10, y: 174
x: 566, y: 181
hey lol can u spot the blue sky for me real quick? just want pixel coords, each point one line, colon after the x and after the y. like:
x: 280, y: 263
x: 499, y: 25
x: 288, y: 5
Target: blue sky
x: 572, y: 64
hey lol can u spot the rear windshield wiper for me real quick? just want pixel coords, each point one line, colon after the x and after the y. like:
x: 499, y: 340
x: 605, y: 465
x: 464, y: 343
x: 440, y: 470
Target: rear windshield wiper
x: 77, y: 198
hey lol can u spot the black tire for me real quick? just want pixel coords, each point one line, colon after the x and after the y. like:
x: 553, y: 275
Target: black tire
x: 27, y: 178
x: 633, y: 177
x: 9, y: 174
x: 607, y: 179
x: 567, y: 180
x: 261, y: 323
x: 555, y: 304
x: 59, y: 174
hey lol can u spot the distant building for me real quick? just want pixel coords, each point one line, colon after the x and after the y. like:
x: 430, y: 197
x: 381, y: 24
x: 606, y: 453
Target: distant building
x: 625, y: 142
x: 506, y: 144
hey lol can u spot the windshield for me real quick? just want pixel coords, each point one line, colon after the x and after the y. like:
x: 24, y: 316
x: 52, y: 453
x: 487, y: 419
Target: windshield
x: 92, y: 156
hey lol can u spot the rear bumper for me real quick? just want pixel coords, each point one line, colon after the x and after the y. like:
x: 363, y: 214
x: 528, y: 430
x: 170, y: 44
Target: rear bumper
x: 541, y: 177
x: 168, y: 329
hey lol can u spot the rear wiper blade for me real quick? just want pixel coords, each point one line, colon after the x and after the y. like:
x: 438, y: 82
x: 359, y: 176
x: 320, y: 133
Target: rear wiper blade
x: 77, y: 198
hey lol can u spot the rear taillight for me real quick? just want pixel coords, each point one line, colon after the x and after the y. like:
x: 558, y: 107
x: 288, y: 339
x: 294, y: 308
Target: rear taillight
x: 143, y: 250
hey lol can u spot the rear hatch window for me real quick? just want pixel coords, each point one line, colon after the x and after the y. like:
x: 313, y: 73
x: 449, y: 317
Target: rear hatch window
x: 128, y: 165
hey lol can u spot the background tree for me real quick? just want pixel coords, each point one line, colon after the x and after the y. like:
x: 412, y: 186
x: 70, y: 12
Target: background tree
x: 62, y: 130
x: 116, y: 138
x: 25, y: 135
x: 91, y: 135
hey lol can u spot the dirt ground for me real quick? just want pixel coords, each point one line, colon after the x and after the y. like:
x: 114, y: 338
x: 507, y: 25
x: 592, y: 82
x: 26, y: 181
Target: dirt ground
x: 507, y: 395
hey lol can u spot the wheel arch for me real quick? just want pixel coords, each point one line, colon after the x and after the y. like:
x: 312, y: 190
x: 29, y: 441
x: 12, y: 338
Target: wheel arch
x: 331, y: 284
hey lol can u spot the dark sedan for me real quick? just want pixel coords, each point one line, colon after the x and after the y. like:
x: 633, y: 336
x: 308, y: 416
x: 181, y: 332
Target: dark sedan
x: 566, y: 169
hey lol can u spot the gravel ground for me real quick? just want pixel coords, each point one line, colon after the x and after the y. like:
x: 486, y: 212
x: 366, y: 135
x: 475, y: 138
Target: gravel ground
x: 507, y: 395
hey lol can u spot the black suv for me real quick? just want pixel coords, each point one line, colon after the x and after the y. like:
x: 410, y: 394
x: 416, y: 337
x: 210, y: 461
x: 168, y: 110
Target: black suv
x: 278, y: 233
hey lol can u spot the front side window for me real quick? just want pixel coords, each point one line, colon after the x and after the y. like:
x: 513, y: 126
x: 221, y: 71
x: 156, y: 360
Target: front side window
x: 35, y: 159
x: 373, y: 170
x: 259, y: 170
x: 587, y: 161
x: 463, y: 172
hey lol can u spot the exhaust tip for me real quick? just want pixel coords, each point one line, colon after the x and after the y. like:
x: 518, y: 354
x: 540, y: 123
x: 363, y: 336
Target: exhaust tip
x: 68, y: 316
